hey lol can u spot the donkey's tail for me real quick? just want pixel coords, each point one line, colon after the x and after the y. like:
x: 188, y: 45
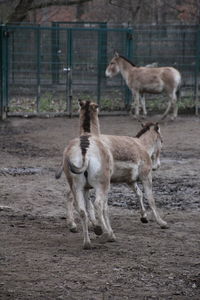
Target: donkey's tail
x: 178, y: 93
x: 167, y: 110
x: 59, y: 172
x: 78, y: 170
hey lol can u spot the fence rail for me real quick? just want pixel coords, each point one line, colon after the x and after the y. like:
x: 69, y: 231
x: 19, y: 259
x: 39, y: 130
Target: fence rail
x: 34, y: 60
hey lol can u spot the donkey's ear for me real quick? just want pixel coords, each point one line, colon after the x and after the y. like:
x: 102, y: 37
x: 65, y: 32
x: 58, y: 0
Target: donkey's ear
x: 116, y: 54
x: 157, y: 127
x: 81, y: 102
x: 94, y: 106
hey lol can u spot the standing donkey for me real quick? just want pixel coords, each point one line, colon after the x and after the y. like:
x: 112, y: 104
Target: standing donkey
x: 131, y: 159
x: 88, y: 163
x: 142, y: 80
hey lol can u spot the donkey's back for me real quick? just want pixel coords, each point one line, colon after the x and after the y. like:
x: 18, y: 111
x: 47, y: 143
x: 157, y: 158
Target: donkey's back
x: 155, y: 80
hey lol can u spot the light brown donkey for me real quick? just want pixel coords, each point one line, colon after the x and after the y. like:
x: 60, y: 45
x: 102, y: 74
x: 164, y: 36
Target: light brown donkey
x: 133, y: 160
x: 88, y: 163
x: 142, y: 80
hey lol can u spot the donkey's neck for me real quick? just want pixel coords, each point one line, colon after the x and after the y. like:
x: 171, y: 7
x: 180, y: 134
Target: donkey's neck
x: 148, y: 141
x: 125, y: 68
x: 89, y: 124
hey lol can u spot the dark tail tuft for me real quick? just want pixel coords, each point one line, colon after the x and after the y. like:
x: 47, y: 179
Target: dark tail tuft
x: 59, y: 172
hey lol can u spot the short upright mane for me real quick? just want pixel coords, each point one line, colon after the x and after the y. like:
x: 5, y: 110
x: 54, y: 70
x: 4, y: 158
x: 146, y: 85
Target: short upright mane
x: 130, y: 62
x: 86, y: 121
x: 145, y: 128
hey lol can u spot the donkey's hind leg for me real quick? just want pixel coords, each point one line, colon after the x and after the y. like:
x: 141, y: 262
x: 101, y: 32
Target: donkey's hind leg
x: 147, y: 184
x: 174, y: 106
x: 91, y: 214
x: 101, y: 212
x: 81, y: 208
x: 70, y: 211
x: 140, y: 197
x: 112, y: 236
x: 171, y: 104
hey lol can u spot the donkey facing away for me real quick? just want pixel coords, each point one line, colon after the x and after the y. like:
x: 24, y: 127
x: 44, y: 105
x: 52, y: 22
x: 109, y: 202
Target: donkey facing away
x: 142, y: 80
x: 87, y: 164
x: 93, y: 160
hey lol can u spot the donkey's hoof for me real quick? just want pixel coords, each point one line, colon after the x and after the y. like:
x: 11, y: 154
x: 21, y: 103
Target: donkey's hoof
x: 112, y: 238
x: 144, y: 220
x: 172, y: 118
x: 87, y: 246
x: 98, y: 230
x: 135, y: 117
x: 105, y: 238
x: 164, y: 226
x: 73, y: 229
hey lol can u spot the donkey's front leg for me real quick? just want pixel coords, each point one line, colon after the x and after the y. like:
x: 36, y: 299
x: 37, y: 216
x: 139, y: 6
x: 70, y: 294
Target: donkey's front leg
x: 136, y: 103
x: 143, y: 103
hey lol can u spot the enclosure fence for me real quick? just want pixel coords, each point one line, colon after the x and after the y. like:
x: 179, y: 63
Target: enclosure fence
x: 47, y: 68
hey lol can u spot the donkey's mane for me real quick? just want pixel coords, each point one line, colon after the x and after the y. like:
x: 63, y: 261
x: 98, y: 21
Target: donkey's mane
x: 86, y: 121
x: 130, y: 62
x: 145, y: 128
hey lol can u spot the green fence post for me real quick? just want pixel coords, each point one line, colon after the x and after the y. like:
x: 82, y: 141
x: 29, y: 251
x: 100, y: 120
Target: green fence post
x: 38, y: 54
x: 101, y: 57
x: 3, y: 72
x: 55, y: 42
x: 1, y: 75
x: 197, y: 69
x: 129, y: 54
x: 69, y: 73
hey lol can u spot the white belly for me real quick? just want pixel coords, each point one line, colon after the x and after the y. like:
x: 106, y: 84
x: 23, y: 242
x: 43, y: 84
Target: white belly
x: 124, y: 171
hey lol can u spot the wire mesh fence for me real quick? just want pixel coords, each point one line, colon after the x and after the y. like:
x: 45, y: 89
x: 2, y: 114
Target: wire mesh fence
x: 47, y: 68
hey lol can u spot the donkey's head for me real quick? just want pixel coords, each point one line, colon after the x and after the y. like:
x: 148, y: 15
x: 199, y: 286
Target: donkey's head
x: 113, y: 67
x: 150, y: 136
x: 88, y: 116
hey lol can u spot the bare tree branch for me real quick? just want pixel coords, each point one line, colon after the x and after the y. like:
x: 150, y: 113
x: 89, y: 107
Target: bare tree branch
x: 58, y: 3
x: 24, y: 6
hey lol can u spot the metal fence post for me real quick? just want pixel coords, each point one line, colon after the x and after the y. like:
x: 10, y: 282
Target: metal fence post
x: 68, y: 71
x: 101, y: 57
x: 129, y: 54
x: 3, y: 72
x: 55, y: 42
x: 197, y: 69
x: 38, y: 36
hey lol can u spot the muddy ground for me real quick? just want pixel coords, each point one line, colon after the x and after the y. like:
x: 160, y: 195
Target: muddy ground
x: 41, y: 260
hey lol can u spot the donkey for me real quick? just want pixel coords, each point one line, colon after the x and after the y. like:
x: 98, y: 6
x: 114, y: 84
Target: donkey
x: 133, y: 160
x: 88, y: 163
x: 147, y: 80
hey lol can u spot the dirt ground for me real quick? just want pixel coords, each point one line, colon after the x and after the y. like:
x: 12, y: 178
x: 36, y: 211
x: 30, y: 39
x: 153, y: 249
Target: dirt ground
x: 41, y: 260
